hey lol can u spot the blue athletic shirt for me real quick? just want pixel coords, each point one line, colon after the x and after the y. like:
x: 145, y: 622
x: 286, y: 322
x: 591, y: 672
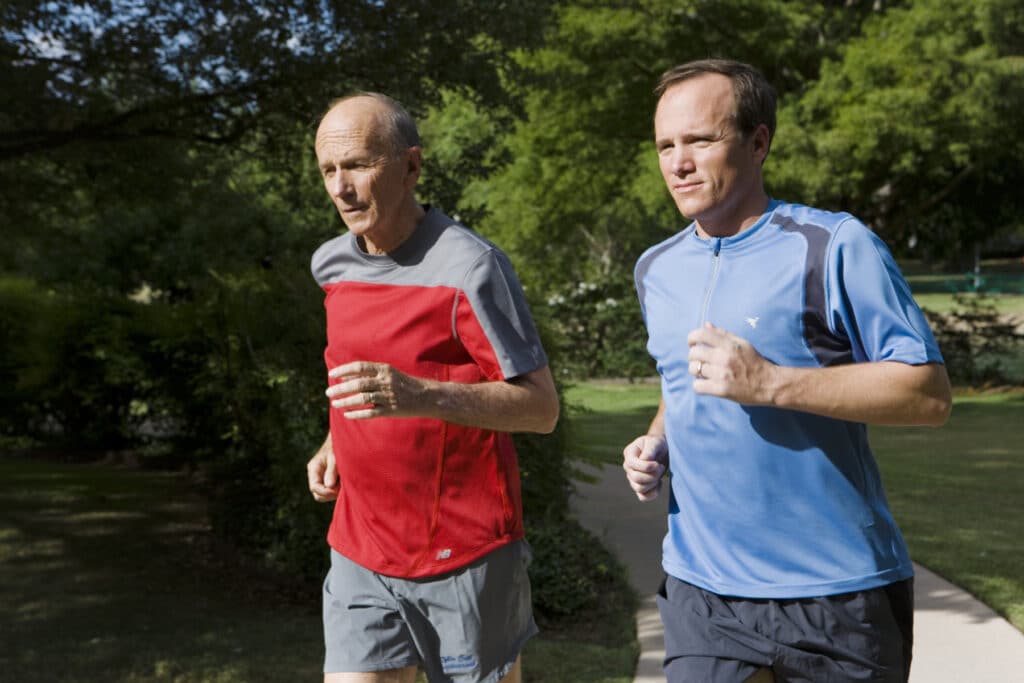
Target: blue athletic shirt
x: 766, y: 502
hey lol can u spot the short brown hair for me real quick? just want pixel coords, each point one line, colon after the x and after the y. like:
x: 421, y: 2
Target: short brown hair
x: 755, y: 97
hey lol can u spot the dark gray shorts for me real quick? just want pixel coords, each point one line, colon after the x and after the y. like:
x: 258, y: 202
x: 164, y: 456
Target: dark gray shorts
x: 862, y: 636
x: 468, y: 625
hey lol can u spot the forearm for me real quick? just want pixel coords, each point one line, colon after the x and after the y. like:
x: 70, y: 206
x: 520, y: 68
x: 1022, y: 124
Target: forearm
x: 657, y: 426
x: 523, y: 404
x: 884, y: 393
x: 325, y: 446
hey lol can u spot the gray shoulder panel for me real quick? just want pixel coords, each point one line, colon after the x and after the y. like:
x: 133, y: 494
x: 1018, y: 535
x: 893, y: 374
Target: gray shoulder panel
x: 438, y: 253
x: 830, y: 348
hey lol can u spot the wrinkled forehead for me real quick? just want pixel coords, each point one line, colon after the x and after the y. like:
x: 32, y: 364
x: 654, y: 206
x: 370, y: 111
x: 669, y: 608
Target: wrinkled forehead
x: 351, y: 129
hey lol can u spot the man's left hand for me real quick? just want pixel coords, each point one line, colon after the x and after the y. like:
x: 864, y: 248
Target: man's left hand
x: 728, y: 366
x: 368, y: 390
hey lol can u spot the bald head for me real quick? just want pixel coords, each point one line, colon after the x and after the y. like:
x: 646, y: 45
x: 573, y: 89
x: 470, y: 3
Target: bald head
x: 384, y: 119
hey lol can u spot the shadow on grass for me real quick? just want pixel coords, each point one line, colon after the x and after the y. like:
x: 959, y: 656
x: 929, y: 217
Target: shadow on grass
x: 110, y: 575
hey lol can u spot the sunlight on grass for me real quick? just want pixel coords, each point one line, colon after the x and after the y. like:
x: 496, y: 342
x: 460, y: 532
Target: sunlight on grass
x: 1007, y: 304
x: 605, y: 416
x: 957, y: 493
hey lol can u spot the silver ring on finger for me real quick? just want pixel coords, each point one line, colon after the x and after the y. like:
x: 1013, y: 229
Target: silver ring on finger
x: 371, y: 399
x: 700, y: 370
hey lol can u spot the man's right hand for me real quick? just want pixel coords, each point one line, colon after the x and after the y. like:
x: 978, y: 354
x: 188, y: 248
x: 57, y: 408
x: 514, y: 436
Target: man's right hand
x: 645, y: 461
x: 323, y: 474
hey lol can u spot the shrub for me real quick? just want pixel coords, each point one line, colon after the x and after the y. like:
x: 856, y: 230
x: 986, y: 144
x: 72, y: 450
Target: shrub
x: 976, y: 341
x: 70, y: 372
x: 598, y: 330
x: 572, y: 572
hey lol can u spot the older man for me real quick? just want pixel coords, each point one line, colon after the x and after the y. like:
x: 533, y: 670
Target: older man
x: 432, y: 360
x: 780, y: 331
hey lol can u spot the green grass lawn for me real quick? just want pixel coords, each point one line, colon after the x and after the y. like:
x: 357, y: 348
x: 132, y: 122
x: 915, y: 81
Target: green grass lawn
x: 112, y: 574
x: 1005, y: 304
x: 957, y: 492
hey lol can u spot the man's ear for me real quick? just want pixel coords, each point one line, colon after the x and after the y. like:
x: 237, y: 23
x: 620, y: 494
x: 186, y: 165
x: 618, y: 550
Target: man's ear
x: 414, y: 165
x: 762, y: 143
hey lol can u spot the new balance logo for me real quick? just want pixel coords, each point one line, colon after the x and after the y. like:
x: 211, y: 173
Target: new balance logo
x: 462, y: 663
x: 753, y: 321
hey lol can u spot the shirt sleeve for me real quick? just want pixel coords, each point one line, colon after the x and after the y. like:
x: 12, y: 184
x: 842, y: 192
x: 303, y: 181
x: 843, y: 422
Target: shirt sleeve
x: 493, y: 319
x: 870, y: 301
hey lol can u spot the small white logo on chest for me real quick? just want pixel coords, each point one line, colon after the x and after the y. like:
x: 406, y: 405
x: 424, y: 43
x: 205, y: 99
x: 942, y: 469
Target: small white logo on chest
x: 753, y: 321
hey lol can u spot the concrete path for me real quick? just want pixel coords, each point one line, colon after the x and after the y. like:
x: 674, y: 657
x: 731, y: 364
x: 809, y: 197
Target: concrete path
x: 956, y: 638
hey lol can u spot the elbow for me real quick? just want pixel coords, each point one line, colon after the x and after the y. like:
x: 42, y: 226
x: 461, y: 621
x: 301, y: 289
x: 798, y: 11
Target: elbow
x: 548, y: 419
x: 937, y: 402
x: 543, y: 401
x: 939, y: 411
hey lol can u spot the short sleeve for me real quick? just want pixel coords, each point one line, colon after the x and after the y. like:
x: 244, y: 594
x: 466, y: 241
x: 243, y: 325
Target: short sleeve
x: 870, y: 301
x: 493, y: 320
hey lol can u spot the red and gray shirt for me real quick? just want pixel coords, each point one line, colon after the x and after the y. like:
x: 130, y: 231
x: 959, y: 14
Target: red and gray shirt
x: 420, y: 496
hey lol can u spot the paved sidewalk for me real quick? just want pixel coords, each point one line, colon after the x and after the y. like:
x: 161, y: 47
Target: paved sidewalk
x: 956, y: 638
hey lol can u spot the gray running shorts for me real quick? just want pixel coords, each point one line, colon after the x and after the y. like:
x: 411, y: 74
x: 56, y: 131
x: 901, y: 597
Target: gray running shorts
x: 861, y: 636
x: 465, y: 626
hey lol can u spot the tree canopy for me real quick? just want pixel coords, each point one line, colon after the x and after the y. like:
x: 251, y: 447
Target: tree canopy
x: 915, y: 126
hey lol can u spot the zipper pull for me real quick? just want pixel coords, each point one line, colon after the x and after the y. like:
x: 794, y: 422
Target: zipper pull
x: 718, y: 245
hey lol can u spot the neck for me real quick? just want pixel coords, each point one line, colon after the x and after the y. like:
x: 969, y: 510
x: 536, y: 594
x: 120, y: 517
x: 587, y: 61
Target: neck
x: 405, y: 225
x: 743, y: 217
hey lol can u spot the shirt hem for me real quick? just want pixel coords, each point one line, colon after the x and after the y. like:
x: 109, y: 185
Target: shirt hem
x: 787, y: 591
x: 425, y: 571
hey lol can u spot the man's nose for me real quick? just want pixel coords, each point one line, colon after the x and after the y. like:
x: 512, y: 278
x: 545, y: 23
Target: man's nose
x: 340, y: 184
x: 681, y: 161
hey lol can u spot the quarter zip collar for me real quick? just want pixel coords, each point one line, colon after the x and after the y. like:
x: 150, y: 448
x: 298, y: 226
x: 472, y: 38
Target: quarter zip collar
x: 740, y: 240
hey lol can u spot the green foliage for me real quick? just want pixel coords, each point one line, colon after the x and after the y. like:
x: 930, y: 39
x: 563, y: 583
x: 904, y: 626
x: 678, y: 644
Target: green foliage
x: 914, y: 127
x: 461, y: 141
x: 545, y: 460
x: 109, y: 72
x: 600, y: 332
x: 68, y: 369
x: 571, y: 571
